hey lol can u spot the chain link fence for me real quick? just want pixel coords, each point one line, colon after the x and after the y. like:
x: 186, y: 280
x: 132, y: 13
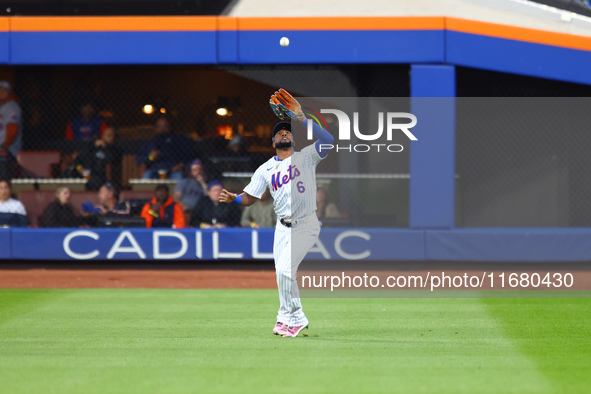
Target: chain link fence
x: 522, y: 161
x: 109, y: 145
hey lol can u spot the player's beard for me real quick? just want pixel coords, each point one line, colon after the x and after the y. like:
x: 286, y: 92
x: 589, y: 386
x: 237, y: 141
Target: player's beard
x: 283, y: 145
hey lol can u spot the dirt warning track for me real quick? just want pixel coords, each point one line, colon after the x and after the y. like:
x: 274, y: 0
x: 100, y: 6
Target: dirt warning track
x: 55, y: 275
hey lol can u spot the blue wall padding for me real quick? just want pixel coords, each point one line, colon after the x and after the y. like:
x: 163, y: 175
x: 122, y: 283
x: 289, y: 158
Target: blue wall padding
x: 432, y: 156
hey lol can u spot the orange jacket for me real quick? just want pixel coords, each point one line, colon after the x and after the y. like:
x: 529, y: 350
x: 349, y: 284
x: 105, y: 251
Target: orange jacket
x: 170, y: 215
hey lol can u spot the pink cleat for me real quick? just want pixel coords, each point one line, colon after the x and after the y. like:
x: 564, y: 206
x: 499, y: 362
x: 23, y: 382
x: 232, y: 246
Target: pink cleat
x: 280, y: 329
x: 293, y: 332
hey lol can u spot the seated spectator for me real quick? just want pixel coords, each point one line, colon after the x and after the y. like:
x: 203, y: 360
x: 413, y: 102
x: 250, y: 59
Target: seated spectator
x: 12, y: 211
x: 239, y: 159
x: 210, y: 213
x: 261, y: 214
x: 59, y: 212
x: 102, y: 159
x: 108, y: 198
x: 325, y: 209
x: 87, y: 127
x: 237, y: 147
x: 109, y: 204
x: 188, y: 191
x: 10, y: 130
x: 167, y: 152
x: 162, y: 211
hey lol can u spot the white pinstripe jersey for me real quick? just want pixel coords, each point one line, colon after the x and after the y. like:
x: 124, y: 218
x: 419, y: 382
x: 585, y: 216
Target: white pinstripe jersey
x: 292, y: 183
x: 10, y: 112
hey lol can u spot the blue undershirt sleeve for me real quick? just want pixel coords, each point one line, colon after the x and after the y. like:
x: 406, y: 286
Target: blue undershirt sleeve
x: 324, y: 138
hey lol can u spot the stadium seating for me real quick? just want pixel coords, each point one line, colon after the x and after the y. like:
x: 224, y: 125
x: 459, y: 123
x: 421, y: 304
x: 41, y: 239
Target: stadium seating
x: 37, y: 162
x: 80, y: 197
x: 35, y: 202
x: 136, y: 195
x: 129, y: 169
x: 137, y: 199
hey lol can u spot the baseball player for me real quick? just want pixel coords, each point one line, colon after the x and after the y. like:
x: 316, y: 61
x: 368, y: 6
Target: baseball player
x: 10, y: 129
x: 291, y: 178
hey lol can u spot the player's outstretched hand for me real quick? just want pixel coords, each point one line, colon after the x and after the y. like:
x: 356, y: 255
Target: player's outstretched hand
x: 287, y: 105
x: 226, y: 196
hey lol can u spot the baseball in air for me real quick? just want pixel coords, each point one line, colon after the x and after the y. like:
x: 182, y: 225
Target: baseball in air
x: 284, y: 42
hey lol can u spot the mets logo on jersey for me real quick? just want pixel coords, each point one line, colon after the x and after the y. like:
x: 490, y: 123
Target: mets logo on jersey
x: 278, y: 180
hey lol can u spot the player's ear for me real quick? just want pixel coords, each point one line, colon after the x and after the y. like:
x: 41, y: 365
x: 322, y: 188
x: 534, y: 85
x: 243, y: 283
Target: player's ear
x: 273, y: 145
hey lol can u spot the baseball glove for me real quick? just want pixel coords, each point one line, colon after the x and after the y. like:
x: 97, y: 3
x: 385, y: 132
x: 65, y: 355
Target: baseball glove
x: 285, y: 106
x: 275, y: 106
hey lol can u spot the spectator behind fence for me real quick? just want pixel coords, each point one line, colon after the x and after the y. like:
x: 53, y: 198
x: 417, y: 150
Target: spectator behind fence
x: 325, y: 209
x: 243, y: 159
x: 12, y: 211
x: 108, y: 198
x: 210, y: 213
x: 261, y: 214
x: 166, y: 153
x: 10, y: 130
x: 100, y: 159
x: 109, y: 204
x: 87, y: 127
x: 188, y: 191
x: 237, y: 147
x: 162, y: 211
x: 59, y: 212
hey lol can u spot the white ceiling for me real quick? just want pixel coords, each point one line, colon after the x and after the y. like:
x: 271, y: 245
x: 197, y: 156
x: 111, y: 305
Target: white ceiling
x: 509, y: 12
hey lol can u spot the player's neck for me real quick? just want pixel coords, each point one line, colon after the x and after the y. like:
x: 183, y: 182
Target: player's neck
x: 284, y: 153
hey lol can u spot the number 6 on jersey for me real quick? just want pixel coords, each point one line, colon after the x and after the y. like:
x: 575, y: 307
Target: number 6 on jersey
x: 301, y: 187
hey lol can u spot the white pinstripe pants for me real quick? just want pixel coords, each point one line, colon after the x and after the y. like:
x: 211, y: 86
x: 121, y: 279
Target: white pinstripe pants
x: 290, y: 247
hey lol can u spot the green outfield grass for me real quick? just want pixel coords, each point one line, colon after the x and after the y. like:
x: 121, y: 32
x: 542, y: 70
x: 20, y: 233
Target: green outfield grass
x: 141, y: 341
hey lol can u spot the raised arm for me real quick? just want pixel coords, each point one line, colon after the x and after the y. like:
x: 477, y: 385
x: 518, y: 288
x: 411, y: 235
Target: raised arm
x: 323, y: 135
x: 325, y: 139
x: 285, y: 106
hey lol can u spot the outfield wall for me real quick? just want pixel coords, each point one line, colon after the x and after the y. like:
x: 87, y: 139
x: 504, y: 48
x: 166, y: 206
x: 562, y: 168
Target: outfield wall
x: 314, y: 40
x: 340, y: 244
x: 433, y: 46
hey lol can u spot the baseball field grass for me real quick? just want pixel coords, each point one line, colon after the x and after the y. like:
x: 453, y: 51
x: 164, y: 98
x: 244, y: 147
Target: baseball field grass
x: 208, y: 341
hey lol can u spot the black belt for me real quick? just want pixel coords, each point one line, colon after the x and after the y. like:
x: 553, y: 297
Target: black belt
x: 286, y: 223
